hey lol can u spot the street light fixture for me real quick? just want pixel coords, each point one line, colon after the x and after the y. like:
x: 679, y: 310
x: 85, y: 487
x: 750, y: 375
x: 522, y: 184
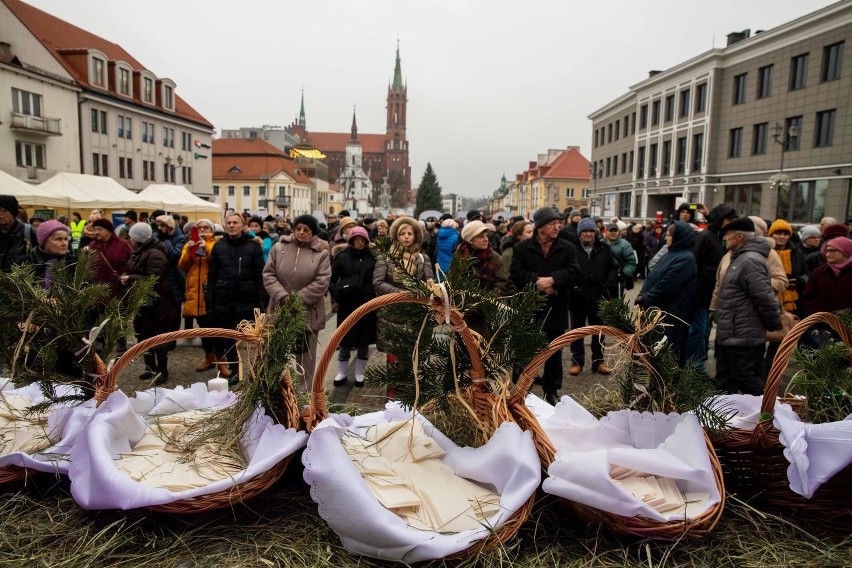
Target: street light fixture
x: 781, y: 180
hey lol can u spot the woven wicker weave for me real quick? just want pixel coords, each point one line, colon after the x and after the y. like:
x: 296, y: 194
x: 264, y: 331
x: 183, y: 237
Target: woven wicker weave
x: 696, y: 527
x: 241, y: 491
x: 753, y: 461
x: 488, y: 408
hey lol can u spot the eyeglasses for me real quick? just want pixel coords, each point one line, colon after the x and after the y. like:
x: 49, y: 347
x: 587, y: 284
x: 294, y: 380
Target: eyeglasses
x: 828, y: 250
x: 204, y: 227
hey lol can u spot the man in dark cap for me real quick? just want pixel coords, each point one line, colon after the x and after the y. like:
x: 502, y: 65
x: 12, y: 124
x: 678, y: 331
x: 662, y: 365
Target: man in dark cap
x: 550, y: 265
x: 16, y: 237
x: 474, y: 215
x: 747, y: 309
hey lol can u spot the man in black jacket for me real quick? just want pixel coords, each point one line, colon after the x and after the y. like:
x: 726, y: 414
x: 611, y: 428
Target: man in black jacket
x: 234, y: 286
x: 598, y: 280
x: 550, y: 264
x: 16, y: 237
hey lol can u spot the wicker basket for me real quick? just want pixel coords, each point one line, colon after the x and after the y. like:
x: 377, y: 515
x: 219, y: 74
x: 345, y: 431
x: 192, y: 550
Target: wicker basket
x: 696, y: 527
x: 481, y: 398
x: 753, y: 460
x: 241, y: 491
x: 13, y: 475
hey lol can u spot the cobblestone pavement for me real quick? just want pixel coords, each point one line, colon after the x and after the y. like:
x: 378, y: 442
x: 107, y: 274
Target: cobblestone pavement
x: 186, y: 356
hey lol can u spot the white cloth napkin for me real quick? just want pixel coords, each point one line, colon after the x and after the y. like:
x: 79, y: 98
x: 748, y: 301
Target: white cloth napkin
x: 665, y: 445
x: 508, y: 462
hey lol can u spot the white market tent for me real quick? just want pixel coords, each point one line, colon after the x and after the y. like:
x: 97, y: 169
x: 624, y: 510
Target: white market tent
x: 27, y: 194
x: 83, y: 191
x: 177, y: 199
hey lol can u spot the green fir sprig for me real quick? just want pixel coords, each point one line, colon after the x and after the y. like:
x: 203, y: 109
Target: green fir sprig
x: 825, y: 380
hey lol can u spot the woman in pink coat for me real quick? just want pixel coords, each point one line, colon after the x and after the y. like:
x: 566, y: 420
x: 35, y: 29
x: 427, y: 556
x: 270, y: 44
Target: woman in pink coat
x: 299, y: 264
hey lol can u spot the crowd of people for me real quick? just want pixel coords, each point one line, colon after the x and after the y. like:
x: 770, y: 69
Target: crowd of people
x: 701, y: 267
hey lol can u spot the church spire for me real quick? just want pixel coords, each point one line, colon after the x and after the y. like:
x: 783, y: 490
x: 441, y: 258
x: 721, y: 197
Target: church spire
x: 354, y: 126
x: 302, y: 110
x: 397, y: 72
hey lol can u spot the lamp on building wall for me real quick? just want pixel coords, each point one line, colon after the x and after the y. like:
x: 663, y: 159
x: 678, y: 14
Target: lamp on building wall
x: 782, y: 181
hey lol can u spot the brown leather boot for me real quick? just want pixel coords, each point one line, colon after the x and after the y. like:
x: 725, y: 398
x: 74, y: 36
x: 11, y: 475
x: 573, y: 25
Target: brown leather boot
x: 208, y: 363
x: 224, y: 369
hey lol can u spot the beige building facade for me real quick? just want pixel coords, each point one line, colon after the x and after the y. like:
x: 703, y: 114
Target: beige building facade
x: 763, y: 124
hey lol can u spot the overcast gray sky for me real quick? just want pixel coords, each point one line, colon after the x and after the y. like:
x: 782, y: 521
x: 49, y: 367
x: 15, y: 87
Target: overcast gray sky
x: 491, y: 83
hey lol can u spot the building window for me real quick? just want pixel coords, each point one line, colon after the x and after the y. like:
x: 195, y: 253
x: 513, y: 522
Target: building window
x: 735, y: 142
x: 100, y: 164
x: 185, y: 140
x: 632, y: 165
x: 643, y: 117
x: 740, y: 88
x: 764, y: 82
x: 168, y: 137
x: 793, y: 142
x: 832, y: 61
x: 615, y: 165
x: 29, y: 154
x: 745, y: 199
x: 607, y: 167
x: 216, y: 190
x: 99, y: 121
x: 128, y: 128
x: 120, y: 125
x: 697, y: 152
x: 246, y: 191
x: 147, y: 90
x: 586, y: 193
x: 24, y: 102
x: 144, y: 169
x: 684, y: 104
x: 667, y: 157
x: 609, y: 133
x: 596, y: 137
x: 98, y: 72
x: 624, y: 162
x: 680, y: 159
x: 617, y: 129
x: 121, y: 167
x: 633, y: 123
x: 230, y: 191
x: 569, y: 193
x: 151, y: 176
x: 759, y: 135
x: 168, y: 173
x: 626, y: 125
x: 641, y: 162
x: 825, y: 128
x: 123, y: 81
x: 701, y: 98
x: 261, y: 191
x: 798, y: 72
x: 670, y: 100
x: 168, y: 97
x: 652, y: 161
x: 803, y: 202
x: 655, y: 113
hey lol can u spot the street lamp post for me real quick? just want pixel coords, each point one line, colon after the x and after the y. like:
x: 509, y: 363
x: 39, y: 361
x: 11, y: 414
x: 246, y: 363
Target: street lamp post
x: 782, y: 137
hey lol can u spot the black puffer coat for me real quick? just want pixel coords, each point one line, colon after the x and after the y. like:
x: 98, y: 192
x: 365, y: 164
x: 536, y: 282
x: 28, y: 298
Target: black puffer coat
x: 235, y: 276
x: 709, y: 250
x: 163, y: 315
x: 598, y: 276
x: 748, y: 307
x: 529, y: 262
x: 354, y: 265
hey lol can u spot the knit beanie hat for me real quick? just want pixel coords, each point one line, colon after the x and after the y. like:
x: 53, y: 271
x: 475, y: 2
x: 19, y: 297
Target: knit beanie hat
x: 140, y: 232
x: 358, y: 232
x: 104, y: 224
x: 48, y: 228
x: 309, y: 221
x: 544, y: 215
x: 779, y: 225
x: 586, y: 224
x: 472, y: 229
x: 842, y: 244
x: 833, y: 231
x: 10, y: 204
x: 809, y: 231
x: 448, y: 223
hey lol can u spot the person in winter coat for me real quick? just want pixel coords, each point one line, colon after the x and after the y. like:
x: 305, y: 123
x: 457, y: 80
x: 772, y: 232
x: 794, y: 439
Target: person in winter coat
x: 111, y: 254
x: 521, y: 231
x: 810, y: 237
x: 671, y: 286
x: 709, y: 250
x: 747, y: 310
x: 255, y: 226
x: 173, y: 239
x: 793, y: 261
x: 598, y: 280
x: 654, y: 241
x: 445, y: 246
x: 828, y: 289
x: 548, y: 263
x: 636, y: 238
x: 623, y: 254
x: 194, y: 262
x: 488, y: 268
x: 299, y: 264
x: 16, y: 239
x: 817, y: 259
x: 406, y: 234
x: 234, y: 287
x: 351, y: 287
x: 54, y: 248
x: 163, y: 314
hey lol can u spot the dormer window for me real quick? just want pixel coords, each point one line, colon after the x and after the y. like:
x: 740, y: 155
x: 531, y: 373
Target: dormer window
x: 124, y: 81
x: 235, y: 170
x: 148, y: 90
x: 98, y: 77
x: 168, y: 97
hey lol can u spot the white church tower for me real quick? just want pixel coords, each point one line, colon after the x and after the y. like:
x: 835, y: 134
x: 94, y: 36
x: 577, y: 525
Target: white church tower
x: 355, y: 185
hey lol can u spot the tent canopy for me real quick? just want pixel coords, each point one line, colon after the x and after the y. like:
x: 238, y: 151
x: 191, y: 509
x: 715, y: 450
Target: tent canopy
x: 86, y: 191
x: 177, y: 199
x: 429, y: 213
x: 27, y: 194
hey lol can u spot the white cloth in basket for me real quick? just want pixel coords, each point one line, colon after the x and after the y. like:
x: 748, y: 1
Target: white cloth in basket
x: 815, y: 451
x: 665, y: 445
x: 97, y: 483
x: 63, y: 423
x: 508, y: 462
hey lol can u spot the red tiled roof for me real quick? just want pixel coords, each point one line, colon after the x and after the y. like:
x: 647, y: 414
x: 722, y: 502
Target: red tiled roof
x: 63, y: 40
x: 571, y: 164
x: 336, y: 141
x: 254, y: 158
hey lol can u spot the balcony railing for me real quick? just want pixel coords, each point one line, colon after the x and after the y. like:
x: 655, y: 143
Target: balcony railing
x: 36, y: 124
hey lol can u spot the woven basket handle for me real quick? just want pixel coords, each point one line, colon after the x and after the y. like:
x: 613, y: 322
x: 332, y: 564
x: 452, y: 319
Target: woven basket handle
x: 525, y: 381
x: 107, y: 385
x: 785, y: 349
x: 318, y: 410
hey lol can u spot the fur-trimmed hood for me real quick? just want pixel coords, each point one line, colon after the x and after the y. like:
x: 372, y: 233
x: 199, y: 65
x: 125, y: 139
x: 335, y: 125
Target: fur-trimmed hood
x: 416, y: 226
